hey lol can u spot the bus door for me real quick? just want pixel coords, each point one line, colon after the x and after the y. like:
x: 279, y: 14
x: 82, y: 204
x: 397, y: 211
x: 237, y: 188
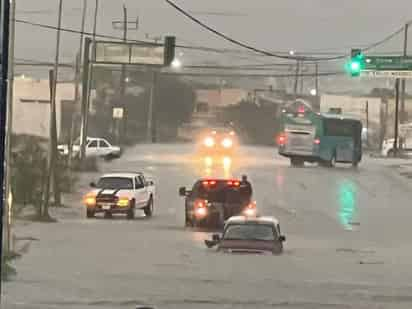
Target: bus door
x: 299, y: 139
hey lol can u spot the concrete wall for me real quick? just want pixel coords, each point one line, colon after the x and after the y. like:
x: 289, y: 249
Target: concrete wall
x: 353, y: 106
x: 31, y: 106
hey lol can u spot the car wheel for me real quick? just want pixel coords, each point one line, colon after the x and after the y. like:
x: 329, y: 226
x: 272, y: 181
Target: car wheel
x: 90, y: 213
x: 332, y: 161
x: 188, y: 221
x: 108, y: 157
x: 148, y: 210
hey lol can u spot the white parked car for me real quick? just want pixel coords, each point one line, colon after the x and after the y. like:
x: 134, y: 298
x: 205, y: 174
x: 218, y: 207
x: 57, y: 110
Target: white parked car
x: 120, y: 193
x: 95, y: 147
x: 387, y: 147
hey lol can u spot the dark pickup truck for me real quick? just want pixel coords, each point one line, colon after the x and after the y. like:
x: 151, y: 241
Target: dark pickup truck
x: 212, y: 201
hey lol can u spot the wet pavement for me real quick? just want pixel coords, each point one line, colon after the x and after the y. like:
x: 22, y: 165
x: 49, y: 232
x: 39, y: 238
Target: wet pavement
x: 348, y: 244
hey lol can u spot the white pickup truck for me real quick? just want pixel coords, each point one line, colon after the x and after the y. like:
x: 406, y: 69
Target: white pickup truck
x: 95, y: 147
x: 120, y: 193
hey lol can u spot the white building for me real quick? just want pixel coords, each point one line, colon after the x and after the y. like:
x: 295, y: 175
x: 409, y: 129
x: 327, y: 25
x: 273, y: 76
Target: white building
x: 31, y: 106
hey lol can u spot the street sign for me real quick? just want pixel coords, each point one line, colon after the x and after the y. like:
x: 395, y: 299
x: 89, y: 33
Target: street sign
x: 388, y: 63
x: 386, y: 74
x: 118, y: 113
x: 128, y: 53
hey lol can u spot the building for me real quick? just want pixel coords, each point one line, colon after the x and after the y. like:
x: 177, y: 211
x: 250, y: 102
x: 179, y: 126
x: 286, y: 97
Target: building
x: 31, y: 107
x: 207, y: 106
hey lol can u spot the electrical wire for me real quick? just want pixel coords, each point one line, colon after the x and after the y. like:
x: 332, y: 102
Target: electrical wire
x: 244, y: 45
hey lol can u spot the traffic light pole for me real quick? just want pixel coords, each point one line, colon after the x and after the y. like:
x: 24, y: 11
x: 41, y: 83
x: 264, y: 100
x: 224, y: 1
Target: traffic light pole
x: 5, y: 24
x: 396, y: 136
x: 403, y: 85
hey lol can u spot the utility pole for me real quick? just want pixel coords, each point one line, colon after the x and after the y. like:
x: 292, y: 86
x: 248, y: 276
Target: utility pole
x: 53, y: 129
x: 151, y: 127
x: 123, y: 73
x: 317, y: 78
x: 396, y: 136
x: 295, y: 88
x: 404, y: 117
x: 77, y: 79
x: 85, y: 95
x: 87, y: 78
x: 5, y: 23
x: 9, y: 130
x: 367, y: 122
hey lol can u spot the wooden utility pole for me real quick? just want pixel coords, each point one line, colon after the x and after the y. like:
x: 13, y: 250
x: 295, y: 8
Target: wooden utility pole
x: 403, y: 116
x: 53, y: 76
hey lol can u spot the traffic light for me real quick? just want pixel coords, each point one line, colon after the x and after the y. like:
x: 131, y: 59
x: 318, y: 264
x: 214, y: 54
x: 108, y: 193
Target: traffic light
x: 170, y: 44
x: 356, y: 63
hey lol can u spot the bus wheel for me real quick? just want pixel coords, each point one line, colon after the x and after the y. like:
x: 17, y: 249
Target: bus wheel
x: 332, y: 161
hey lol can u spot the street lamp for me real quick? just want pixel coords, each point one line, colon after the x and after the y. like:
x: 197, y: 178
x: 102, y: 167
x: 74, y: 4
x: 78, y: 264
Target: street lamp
x: 176, y: 64
x: 313, y: 92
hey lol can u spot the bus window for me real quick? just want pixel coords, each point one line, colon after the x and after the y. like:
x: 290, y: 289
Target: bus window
x: 337, y: 127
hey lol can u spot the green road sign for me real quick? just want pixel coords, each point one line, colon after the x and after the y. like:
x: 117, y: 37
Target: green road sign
x: 388, y: 63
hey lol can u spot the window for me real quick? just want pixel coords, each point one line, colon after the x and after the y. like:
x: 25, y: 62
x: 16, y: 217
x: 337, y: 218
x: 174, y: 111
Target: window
x: 93, y: 144
x: 103, y: 144
x: 115, y: 183
x: 249, y: 232
x: 338, y: 127
x: 138, y: 183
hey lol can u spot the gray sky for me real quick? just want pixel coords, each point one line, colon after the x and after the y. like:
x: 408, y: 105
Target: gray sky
x: 302, y: 25
x: 307, y: 25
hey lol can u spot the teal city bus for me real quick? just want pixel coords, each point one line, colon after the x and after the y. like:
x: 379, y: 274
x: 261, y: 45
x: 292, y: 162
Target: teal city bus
x: 323, y: 138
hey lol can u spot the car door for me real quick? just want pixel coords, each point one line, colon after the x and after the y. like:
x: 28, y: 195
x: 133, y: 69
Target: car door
x: 140, y: 192
x: 104, y: 147
x: 92, y: 148
x: 146, y: 193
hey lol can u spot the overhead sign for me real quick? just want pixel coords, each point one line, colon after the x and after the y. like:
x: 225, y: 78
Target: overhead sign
x: 388, y: 63
x: 129, y: 53
x: 386, y: 74
x: 118, y: 113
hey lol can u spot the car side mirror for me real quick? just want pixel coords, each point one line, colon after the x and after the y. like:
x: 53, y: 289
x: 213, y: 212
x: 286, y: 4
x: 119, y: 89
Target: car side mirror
x: 182, y: 191
x: 282, y: 238
x: 92, y: 185
x: 210, y: 243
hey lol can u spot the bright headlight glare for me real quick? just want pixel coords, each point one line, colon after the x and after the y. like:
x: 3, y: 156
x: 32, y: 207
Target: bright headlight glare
x: 209, y: 142
x: 227, y: 143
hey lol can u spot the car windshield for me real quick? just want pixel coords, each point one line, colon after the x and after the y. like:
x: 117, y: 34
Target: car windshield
x: 115, y: 183
x: 249, y: 232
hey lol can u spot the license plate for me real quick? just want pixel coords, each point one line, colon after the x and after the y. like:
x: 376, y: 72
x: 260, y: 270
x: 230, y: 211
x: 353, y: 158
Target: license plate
x: 106, y: 206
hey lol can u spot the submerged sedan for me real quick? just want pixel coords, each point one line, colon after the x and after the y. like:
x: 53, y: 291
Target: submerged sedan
x: 253, y: 235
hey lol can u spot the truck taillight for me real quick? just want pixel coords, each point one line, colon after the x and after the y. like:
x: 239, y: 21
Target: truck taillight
x: 281, y: 139
x: 316, y: 141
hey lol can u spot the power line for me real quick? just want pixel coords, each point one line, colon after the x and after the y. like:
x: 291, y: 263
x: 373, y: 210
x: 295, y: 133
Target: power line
x: 244, y: 45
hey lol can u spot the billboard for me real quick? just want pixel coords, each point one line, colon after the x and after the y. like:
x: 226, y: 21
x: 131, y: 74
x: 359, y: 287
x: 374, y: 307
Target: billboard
x: 128, y: 53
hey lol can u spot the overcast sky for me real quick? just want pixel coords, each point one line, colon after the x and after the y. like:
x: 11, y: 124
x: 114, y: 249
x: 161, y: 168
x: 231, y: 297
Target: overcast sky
x: 281, y: 25
x: 303, y: 25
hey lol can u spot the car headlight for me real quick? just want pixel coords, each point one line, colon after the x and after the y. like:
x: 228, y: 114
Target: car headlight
x: 227, y: 143
x: 90, y: 200
x: 123, y: 202
x: 209, y: 142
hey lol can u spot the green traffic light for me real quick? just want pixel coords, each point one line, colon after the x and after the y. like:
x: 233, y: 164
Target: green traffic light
x: 355, y: 66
